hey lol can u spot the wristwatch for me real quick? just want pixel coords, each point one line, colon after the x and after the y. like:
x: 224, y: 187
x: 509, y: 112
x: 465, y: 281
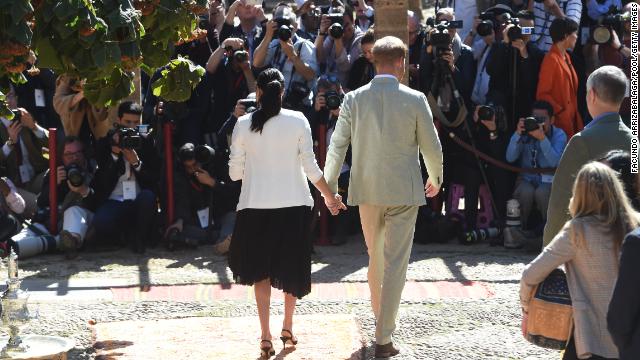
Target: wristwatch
x: 323, y: 34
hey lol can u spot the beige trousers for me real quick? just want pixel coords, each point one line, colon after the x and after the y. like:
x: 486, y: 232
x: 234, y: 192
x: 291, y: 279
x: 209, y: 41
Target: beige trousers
x: 388, y: 232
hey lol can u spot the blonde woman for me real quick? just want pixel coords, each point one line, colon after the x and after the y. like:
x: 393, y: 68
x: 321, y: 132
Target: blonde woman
x: 588, y: 246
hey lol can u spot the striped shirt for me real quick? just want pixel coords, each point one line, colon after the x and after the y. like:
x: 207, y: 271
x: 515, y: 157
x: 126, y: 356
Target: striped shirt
x: 543, y: 19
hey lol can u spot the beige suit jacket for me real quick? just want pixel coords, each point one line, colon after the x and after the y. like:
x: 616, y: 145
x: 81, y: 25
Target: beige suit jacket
x: 387, y: 124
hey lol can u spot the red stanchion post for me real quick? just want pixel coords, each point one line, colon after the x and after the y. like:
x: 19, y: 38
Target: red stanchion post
x: 53, y: 181
x: 323, y: 238
x: 167, y: 130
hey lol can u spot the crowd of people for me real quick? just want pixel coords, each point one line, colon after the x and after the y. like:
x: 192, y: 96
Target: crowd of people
x: 508, y: 79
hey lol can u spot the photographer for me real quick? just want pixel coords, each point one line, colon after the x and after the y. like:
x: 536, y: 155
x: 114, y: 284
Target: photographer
x: 482, y: 50
x: 79, y: 118
x: 416, y: 48
x: 232, y: 79
x: 294, y: 56
x: 363, y: 70
x: 73, y: 177
x: 309, y: 16
x: 21, y: 154
x: 338, y: 43
x: 364, y: 15
x: 11, y: 203
x: 251, y: 27
x: 546, y: 12
x: 504, y: 89
x: 535, y: 144
x: 201, y: 201
x: 126, y: 180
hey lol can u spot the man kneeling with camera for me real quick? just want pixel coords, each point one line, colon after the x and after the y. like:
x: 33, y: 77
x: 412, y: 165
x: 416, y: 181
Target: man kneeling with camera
x: 536, y: 143
x: 73, y: 179
x: 125, y: 183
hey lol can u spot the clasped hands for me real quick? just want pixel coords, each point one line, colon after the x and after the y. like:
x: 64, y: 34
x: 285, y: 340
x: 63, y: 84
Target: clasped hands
x: 334, y: 204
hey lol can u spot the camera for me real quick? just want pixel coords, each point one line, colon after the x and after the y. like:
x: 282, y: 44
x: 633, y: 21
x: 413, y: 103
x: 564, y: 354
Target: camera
x: 516, y: 32
x: 485, y: 27
x: 129, y: 138
x: 336, y: 30
x: 601, y: 33
x: 239, y: 55
x: 250, y: 105
x: 333, y: 100
x: 203, y: 22
x: 532, y: 123
x: 75, y: 175
x: 285, y: 29
x: 486, y: 112
x: 439, y: 38
x: 17, y: 115
x: 298, y: 91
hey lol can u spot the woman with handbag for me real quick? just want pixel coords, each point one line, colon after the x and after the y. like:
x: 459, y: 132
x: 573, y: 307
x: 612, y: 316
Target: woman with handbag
x: 589, y: 246
x: 271, y: 152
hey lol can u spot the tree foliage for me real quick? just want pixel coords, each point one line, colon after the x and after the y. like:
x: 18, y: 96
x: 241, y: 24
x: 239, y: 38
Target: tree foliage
x: 102, y: 41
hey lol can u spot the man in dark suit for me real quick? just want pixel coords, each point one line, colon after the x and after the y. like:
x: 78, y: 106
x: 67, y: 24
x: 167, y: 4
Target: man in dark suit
x: 126, y: 182
x: 624, y: 310
x: 606, y: 88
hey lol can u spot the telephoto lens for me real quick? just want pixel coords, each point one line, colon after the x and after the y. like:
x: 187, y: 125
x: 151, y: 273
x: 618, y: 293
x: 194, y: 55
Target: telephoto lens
x: 486, y: 113
x: 75, y: 175
x: 333, y: 100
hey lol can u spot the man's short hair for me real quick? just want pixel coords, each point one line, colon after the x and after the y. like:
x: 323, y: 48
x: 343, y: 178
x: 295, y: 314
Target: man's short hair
x: 388, y: 50
x: 129, y: 107
x: 369, y: 37
x: 285, y: 11
x: 543, y: 105
x: 445, y: 11
x: 525, y: 14
x: 561, y: 28
x: 610, y: 84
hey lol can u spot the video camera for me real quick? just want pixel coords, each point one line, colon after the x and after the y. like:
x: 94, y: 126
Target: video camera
x: 613, y: 21
x: 516, y: 32
x: 285, y: 29
x: 336, y: 30
x: 128, y: 138
x: 438, y: 37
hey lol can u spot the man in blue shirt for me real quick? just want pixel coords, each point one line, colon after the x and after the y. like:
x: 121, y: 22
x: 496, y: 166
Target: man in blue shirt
x: 541, y: 148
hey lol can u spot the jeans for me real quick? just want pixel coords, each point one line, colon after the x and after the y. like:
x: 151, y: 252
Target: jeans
x: 132, y: 217
x: 528, y: 194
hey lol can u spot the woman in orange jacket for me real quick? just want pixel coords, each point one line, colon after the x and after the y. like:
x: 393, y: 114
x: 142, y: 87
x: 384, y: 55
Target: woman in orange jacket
x: 558, y: 82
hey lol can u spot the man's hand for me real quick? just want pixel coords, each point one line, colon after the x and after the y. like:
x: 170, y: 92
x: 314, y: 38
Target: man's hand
x: 520, y: 128
x: 448, y: 57
x: 271, y: 28
x: 287, y: 49
x: 304, y: 8
x: 239, y: 110
x: 489, y: 124
x: 325, y: 23
x: 335, y: 204
x: 430, y: 190
x: 5, y: 189
x: 204, y: 178
x: 320, y: 102
x: 615, y: 40
x: 27, y: 120
x: 131, y: 156
x: 176, y: 225
x: 522, y: 48
x: 538, y: 134
x: 61, y: 175
x: 14, y: 131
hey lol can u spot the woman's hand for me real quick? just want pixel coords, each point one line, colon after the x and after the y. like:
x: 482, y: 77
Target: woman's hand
x: 335, y: 204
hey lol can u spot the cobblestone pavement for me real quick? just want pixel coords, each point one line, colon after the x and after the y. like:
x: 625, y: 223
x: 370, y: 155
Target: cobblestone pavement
x: 432, y: 327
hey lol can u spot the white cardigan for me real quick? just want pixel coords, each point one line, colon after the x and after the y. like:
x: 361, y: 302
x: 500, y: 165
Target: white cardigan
x: 272, y: 165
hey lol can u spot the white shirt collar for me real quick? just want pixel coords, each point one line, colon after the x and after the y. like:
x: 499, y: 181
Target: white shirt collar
x: 386, y: 76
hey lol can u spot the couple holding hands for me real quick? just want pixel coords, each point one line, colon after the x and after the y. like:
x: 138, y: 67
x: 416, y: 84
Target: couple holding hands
x: 387, y: 125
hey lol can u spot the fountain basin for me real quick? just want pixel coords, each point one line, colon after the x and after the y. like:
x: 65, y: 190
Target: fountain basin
x: 41, y: 347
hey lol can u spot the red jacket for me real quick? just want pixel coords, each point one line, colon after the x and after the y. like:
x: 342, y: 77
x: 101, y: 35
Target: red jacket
x: 558, y: 85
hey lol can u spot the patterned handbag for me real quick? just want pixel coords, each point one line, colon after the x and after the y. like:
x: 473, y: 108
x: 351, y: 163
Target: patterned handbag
x: 549, y: 323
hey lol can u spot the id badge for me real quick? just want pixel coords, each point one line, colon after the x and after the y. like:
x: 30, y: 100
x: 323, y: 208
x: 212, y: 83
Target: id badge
x: 203, y: 216
x: 26, y: 173
x: 39, y: 98
x: 129, y: 190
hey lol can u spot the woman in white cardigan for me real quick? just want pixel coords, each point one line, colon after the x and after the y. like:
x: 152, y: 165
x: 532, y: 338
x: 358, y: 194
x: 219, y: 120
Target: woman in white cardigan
x: 589, y: 247
x: 272, y: 153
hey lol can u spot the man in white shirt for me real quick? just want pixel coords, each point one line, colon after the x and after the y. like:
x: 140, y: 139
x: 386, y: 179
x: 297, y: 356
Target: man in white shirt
x: 547, y: 11
x: 21, y: 153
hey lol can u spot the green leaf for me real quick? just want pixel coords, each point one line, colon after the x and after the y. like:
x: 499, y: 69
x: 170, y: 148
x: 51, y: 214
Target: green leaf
x: 178, y: 80
x: 47, y: 55
x: 18, y: 78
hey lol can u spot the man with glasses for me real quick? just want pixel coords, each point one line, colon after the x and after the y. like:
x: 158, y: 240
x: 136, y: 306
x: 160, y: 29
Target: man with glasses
x: 540, y: 148
x: 73, y: 178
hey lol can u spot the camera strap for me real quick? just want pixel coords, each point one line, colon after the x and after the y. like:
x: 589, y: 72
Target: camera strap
x: 435, y: 109
x: 280, y: 64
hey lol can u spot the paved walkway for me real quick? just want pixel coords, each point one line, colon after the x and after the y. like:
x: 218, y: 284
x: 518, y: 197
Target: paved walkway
x: 459, y: 303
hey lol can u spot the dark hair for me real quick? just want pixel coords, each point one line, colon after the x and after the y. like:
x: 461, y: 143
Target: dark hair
x: 129, y: 107
x: 543, y: 105
x: 271, y: 83
x: 187, y: 152
x: 348, y: 11
x: 525, y: 14
x: 620, y: 162
x: 69, y: 140
x: 369, y: 37
x: 561, y: 28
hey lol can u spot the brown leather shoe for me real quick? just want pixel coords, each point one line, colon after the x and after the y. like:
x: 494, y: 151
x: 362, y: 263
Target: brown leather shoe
x: 386, y: 351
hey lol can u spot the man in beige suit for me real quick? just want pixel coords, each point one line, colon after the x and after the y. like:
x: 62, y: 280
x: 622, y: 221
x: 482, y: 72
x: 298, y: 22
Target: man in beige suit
x: 387, y: 125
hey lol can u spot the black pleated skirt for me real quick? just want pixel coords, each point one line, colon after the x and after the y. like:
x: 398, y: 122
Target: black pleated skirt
x: 273, y: 244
